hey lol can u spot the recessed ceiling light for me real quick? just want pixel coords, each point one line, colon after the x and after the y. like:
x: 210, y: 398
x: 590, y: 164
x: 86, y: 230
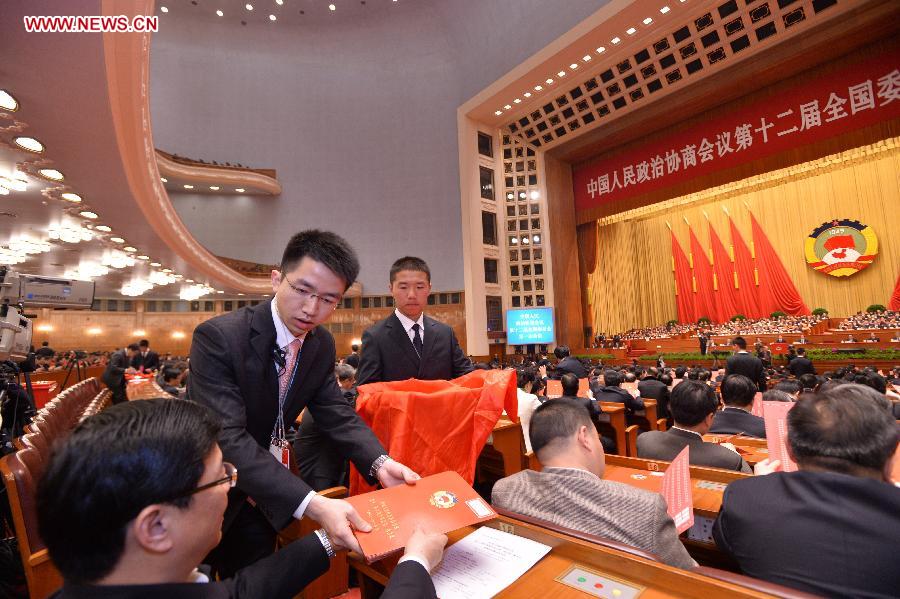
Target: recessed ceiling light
x: 647, y: 21
x: 601, y: 50
x: 664, y: 9
x: 30, y: 144
x: 616, y: 40
x: 573, y: 66
x: 240, y: 190
x: 517, y: 101
x: 279, y: 2
x: 561, y: 74
x: 117, y: 240
x: 143, y: 257
x: 527, y: 94
x: 586, y: 58
x: 332, y: 7
x: 214, y: 187
x: 71, y: 197
x: 157, y: 264
x: 631, y: 31
x: 189, y: 280
x: 535, y: 194
x: 248, y: 6
x: 272, y: 17
x: 88, y: 214
x: 52, y: 174
x: 538, y: 88
x: 507, y: 107
x: 220, y: 13
x: 167, y: 270
x: 103, y: 228
x: 7, y: 102
x: 498, y: 112
x: 163, y: 179
x: 128, y: 248
x: 163, y: 9
x: 186, y: 186
x: 3, y: 191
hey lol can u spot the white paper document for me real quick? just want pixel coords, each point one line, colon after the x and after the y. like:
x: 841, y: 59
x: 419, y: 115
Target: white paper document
x: 484, y: 563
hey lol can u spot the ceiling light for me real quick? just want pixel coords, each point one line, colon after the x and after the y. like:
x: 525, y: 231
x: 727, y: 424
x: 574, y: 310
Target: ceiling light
x: 69, y: 233
x: 186, y: 186
x: 163, y: 9
x: 88, y: 214
x: 332, y: 7
x: 160, y: 278
x: 178, y: 276
x: 128, y: 248
x: 142, y: 257
x: 117, y: 240
x: 535, y: 194
x: 7, y: 102
x: 189, y: 280
x: 601, y: 50
x: 616, y: 40
x: 549, y: 81
x: 44, y: 328
x: 240, y: 189
x: 156, y: 264
x: 167, y: 270
x: 647, y: 21
x: 52, y: 174
x: 240, y: 294
x: 71, y: 197
x: 214, y: 187
x: 517, y: 101
x: 103, y: 228
x: 522, y: 194
x: 631, y: 31
x: 163, y: 179
x: 220, y: 13
x: 510, y: 195
x: 117, y: 259
x: 87, y: 271
x: 527, y: 94
x: 561, y: 74
x: 507, y: 107
x: 248, y: 6
x: 30, y: 144
x: 538, y: 88
x: 664, y: 9
x: 3, y: 191
x: 177, y: 335
x: 136, y: 287
x: 279, y: 2
x: 272, y: 17
x: 586, y: 58
x: 573, y: 66
x: 498, y: 112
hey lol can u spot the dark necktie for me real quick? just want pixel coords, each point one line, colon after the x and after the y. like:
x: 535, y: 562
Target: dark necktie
x: 417, y: 339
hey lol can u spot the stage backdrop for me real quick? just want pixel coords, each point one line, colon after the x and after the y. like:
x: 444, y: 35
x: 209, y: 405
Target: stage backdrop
x: 633, y: 283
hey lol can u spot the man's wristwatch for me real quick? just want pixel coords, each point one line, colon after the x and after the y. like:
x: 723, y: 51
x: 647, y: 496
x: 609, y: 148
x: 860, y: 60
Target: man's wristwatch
x: 326, y: 542
x: 377, y: 464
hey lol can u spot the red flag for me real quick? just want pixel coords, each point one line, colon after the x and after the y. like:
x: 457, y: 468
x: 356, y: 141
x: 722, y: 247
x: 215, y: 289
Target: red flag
x: 894, y: 303
x: 703, y: 275
x: 684, y: 291
x: 747, y: 290
x: 723, y: 267
x: 776, y: 289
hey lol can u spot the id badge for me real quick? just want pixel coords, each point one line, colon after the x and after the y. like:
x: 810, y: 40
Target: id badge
x: 281, y: 453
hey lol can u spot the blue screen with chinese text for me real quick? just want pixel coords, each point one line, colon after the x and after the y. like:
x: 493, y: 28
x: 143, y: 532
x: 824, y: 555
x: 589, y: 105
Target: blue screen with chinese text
x: 531, y: 325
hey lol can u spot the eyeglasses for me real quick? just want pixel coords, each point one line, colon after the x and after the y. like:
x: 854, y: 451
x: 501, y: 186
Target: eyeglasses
x: 230, y: 478
x: 305, y: 295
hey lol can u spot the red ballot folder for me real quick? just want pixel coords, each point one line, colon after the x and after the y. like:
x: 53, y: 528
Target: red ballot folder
x: 757, y: 409
x: 775, y: 415
x: 442, y: 502
x: 677, y: 491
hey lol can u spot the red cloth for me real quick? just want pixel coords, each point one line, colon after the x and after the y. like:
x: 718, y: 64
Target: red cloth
x: 703, y: 274
x: 747, y: 290
x: 435, y: 426
x: 726, y: 295
x: 776, y: 289
x: 894, y: 303
x: 684, y: 290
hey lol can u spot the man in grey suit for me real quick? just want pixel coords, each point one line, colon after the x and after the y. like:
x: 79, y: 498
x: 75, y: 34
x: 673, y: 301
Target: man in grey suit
x: 565, y: 442
x: 693, y: 406
x: 408, y: 344
x: 743, y: 362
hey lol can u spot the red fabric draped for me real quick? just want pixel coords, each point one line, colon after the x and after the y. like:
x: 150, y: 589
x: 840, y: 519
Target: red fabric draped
x: 776, y: 290
x: 894, y: 303
x: 435, y: 426
x: 723, y: 267
x: 747, y: 291
x: 703, y: 274
x: 684, y: 290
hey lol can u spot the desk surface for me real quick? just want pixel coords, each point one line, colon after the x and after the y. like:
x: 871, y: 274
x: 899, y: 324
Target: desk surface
x: 145, y: 389
x: 707, y: 501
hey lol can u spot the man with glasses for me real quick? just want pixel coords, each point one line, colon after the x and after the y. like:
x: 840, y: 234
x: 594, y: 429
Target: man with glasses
x: 134, y: 498
x: 257, y: 368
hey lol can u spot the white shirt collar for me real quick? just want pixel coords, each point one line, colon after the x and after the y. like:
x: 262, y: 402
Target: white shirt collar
x: 408, y: 322
x: 283, y: 336
x: 688, y: 431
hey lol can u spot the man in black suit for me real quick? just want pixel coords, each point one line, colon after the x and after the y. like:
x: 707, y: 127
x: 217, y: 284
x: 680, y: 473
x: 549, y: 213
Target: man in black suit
x: 650, y: 387
x: 408, y: 344
x: 742, y: 362
x: 139, y: 527
x: 693, y: 406
x: 114, y: 375
x: 612, y: 390
x: 146, y: 359
x: 735, y: 418
x: 352, y: 358
x: 831, y: 528
x: 704, y: 340
x: 567, y: 364
x: 801, y: 364
x: 257, y: 368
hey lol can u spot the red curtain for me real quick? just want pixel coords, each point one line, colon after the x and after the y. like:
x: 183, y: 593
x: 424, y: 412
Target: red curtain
x: 723, y: 268
x: 747, y: 290
x: 684, y: 290
x: 776, y: 290
x: 894, y: 303
x: 704, y: 300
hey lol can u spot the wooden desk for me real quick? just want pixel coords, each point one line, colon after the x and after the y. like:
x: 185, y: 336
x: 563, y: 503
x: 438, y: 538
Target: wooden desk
x: 567, y: 551
x: 647, y: 418
x: 613, y: 416
x: 146, y: 389
x: 752, y: 450
x: 510, y: 443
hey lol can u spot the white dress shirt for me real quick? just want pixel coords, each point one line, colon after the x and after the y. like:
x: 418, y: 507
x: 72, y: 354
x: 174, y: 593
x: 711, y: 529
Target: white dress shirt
x: 408, y: 325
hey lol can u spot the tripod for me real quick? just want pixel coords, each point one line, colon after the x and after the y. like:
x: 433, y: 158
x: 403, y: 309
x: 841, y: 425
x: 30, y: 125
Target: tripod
x: 80, y: 371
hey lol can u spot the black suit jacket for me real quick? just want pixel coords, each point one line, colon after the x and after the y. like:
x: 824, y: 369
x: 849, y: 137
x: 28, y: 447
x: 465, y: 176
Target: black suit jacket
x: 114, y: 375
x: 570, y: 365
x: 618, y: 394
x: 233, y: 372
x: 279, y: 576
x: 658, y: 445
x: 656, y: 389
x: 800, y: 366
x: 352, y: 359
x: 151, y: 362
x: 733, y: 421
x: 748, y: 365
x: 388, y: 354
x: 822, y: 532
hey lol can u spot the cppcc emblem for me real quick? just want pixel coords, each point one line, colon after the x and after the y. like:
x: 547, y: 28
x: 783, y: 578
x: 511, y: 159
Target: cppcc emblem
x: 841, y: 248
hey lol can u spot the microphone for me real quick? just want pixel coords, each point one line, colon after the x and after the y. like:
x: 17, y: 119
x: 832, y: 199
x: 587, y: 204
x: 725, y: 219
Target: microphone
x: 280, y: 357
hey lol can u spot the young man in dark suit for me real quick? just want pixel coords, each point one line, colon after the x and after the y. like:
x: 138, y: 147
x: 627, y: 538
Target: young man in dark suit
x: 693, y: 405
x: 116, y: 368
x: 134, y: 498
x: 801, y: 364
x: 743, y: 362
x: 567, y: 364
x: 408, y: 344
x: 650, y: 387
x: 735, y: 418
x: 257, y: 368
x: 831, y: 528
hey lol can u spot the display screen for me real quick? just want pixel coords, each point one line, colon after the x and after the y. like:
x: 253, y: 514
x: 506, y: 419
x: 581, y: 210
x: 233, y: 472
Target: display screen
x: 530, y: 325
